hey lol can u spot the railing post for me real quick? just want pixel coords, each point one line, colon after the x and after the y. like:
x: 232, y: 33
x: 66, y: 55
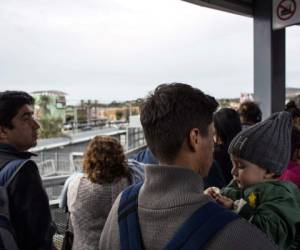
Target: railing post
x: 56, y: 161
x: 127, y: 138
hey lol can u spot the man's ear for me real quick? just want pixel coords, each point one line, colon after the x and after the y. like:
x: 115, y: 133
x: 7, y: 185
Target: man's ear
x: 193, y: 139
x: 2, y: 133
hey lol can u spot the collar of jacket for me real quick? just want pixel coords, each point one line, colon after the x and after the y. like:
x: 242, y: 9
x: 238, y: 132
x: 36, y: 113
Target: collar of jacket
x: 8, y: 149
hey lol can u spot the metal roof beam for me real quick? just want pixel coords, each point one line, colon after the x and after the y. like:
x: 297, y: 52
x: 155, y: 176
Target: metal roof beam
x: 269, y: 60
x: 233, y: 6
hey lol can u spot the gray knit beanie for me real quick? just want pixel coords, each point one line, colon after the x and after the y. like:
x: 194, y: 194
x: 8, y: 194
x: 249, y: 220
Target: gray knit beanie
x: 266, y: 144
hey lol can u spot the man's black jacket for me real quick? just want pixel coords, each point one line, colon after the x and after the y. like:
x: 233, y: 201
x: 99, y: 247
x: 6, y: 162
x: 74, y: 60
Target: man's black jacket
x: 28, y: 203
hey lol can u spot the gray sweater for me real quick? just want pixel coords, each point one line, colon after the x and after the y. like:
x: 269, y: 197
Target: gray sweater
x: 169, y: 196
x: 89, y: 204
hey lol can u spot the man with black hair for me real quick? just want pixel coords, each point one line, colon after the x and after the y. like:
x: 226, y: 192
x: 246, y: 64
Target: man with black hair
x: 250, y: 114
x: 170, y: 208
x: 293, y: 108
x: 28, y: 202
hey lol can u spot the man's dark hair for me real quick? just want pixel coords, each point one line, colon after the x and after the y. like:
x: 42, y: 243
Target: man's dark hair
x: 292, y: 108
x: 227, y: 124
x: 10, y: 104
x: 295, y: 141
x: 169, y: 114
x: 250, y: 112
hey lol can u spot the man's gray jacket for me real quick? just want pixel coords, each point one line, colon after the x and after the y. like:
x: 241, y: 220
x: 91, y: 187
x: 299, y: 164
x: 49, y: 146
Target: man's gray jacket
x: 168, y: 197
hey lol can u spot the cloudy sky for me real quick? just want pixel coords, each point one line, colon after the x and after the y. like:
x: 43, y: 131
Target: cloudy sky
x: 120, y: 50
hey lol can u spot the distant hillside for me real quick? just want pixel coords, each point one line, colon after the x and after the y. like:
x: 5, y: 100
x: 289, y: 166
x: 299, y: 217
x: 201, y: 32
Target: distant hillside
x: 292, y: 92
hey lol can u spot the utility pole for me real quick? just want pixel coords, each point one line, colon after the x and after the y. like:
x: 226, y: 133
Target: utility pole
x: 75, y: 129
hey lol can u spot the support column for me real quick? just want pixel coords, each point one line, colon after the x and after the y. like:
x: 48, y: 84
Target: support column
x: 269, y: 60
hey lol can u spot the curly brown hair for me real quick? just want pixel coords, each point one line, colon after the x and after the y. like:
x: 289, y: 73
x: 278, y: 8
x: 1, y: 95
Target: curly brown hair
x: 104, y: 160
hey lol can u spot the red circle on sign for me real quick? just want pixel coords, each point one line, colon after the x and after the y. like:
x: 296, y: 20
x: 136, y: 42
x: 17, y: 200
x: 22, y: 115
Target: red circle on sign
x: 286, y: 9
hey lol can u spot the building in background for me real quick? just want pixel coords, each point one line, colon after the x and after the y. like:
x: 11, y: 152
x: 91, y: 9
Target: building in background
x: 50, y: 104
x: 244, y: 97
x: 292, y: 94
x: 50, y: 110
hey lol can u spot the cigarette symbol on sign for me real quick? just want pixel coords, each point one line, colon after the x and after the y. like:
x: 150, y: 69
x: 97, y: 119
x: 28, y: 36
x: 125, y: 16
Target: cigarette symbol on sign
x: 286, y: 9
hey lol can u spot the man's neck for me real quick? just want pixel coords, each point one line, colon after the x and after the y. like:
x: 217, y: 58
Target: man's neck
x: 8, y: 146
x: 180, y: 161
x: 11, y: 150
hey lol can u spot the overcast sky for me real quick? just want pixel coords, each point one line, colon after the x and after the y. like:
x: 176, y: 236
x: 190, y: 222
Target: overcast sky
x: 120, y: 50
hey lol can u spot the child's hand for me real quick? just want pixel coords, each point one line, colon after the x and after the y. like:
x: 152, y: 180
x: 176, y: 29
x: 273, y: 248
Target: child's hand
x: 212, y: 192
x: 225, y: 201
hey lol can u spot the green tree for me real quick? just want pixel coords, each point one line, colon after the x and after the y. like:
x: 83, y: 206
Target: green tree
x: 119, y: 114
x: 50, y: 127
x: 115, y: 104
x: 43, y: 104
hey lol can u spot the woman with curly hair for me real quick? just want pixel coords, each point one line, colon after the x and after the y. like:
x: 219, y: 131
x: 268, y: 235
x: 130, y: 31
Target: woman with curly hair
x: 91, y: 195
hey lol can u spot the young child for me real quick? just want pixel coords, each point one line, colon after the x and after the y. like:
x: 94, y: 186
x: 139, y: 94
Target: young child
x: 259, y: 155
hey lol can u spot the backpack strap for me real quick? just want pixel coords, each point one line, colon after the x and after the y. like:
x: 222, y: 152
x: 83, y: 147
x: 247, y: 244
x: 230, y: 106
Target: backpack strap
x: 193, y: 234
x: 201, y: 227
x: 129, y: 228
x: 7, y: 174
x: 11, y: 169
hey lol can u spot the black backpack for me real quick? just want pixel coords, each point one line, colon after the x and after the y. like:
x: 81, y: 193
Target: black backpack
x: 7, y: 174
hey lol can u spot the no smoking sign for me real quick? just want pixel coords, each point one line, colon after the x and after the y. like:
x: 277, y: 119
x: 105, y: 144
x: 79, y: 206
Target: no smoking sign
x: 286, y: 9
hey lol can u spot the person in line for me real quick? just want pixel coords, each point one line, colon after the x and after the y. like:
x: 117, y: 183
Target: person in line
x: 28, y: 202
x: 292, y: 172
x: 227, y: 124
x: 294, y: 110
x: 145, y: 156
x: 178, y: 127
x: 259, y: 155
x: 91, y: 195
x: 250, y: 114
x: 214, y: 178
x: 135, y: 168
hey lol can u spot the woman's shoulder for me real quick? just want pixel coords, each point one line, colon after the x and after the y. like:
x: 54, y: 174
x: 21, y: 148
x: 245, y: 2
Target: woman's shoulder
x: 74, y: 180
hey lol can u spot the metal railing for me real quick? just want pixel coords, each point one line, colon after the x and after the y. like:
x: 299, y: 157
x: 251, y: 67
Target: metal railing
x: 56, y: 159
x: 56, y: 164
x: 59, y: 180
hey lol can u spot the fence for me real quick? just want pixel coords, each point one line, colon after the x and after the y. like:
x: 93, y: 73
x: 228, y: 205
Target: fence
x: 57, y: 159
x: 55, y: 163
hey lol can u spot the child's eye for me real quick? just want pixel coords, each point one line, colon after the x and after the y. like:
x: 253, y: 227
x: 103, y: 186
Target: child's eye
x: 240, y: 166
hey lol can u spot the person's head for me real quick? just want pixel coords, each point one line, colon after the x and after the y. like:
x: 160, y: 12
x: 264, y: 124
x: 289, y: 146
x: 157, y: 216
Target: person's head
x: 104, y: 160
x: 18, y: 127
x: 250, y: 113
x: 246, y: 173
x: 295, y: 145
x: 262, y: 151
x: 292, y: 108
x: 227, y: 124
x: 177, y: 122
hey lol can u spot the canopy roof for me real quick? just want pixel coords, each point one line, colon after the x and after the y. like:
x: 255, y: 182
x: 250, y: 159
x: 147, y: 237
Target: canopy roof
x: 269, y: 49
x: 241, y: 7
